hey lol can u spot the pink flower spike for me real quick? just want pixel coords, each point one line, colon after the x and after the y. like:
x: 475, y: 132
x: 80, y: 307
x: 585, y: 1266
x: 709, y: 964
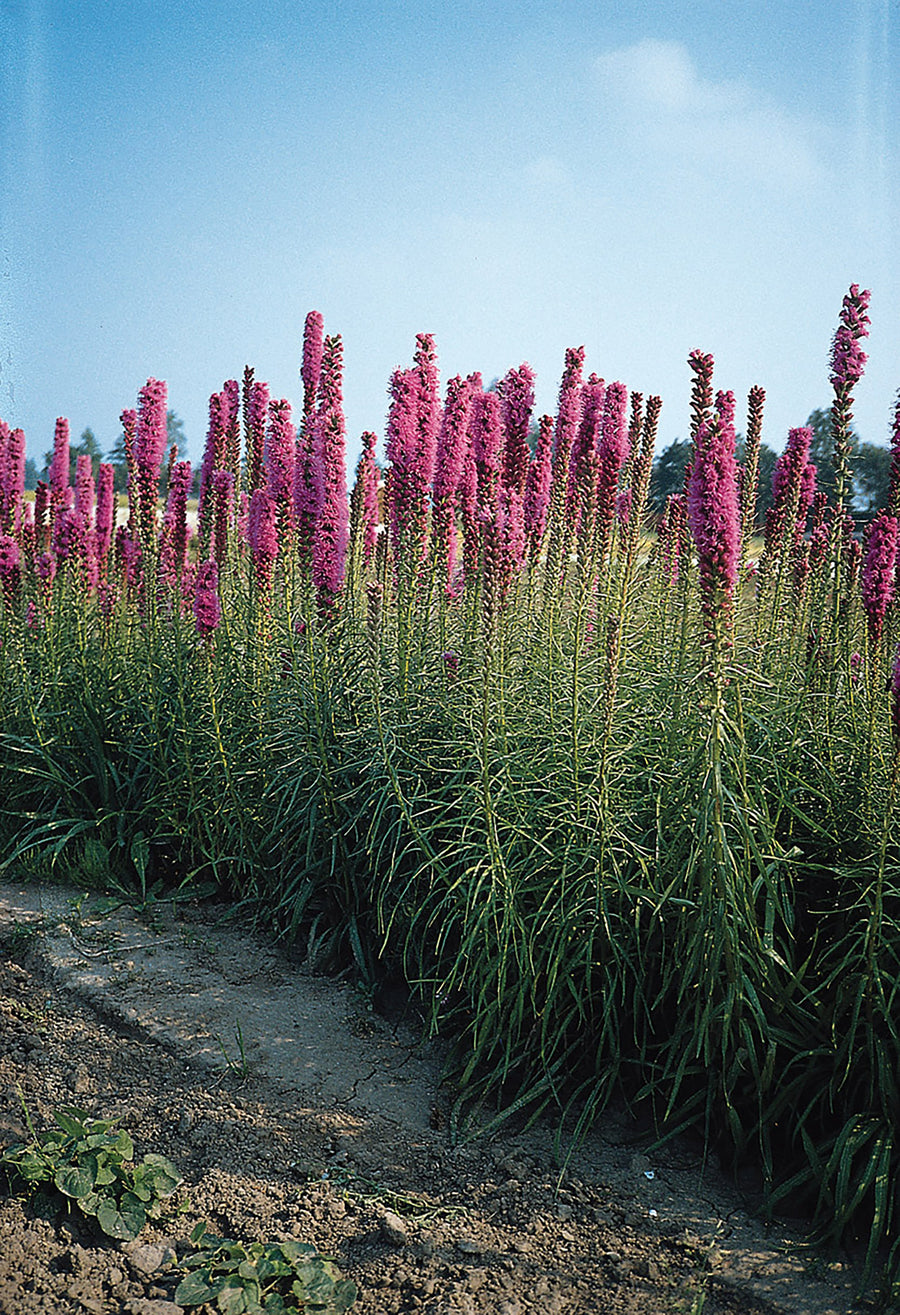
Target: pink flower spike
x: 280, y: 453
x: 58, y: 477
x: 106, y: 509
x: 12, y: 477
x: 714, y: 515
x: 149, y: 450
x: 537, y: 486
x: 877, y: 580
x: 517, y: 403
x: 207, y: 608
x: 311, y: 368
x: 84, y: 490
x: 329, y: 549
x: 262, y: 533
x: 453, y: 444
x: 10, y: 569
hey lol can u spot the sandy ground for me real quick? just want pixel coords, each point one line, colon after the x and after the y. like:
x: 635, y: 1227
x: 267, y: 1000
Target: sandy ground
x: 293, y: 1108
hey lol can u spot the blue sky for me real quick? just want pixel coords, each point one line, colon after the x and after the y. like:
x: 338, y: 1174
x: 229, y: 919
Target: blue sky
x: 180, y: 184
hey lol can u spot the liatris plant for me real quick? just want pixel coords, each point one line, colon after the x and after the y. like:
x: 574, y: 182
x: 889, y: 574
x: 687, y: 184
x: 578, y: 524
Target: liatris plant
x: 329, y: 550
x: 584, y: 465
x: 486, y: 435
x: 750, y: 470
x: 877, y: 580
x: 222, y: 416
x: 701, y: 364
x: 725, y: 964
x: 12, y: 477
x: 58, y: 475
x: 84, y: 490
x: 364, y: 506
x: 280, y: 453
x: 255, y: 395
x: 207, y: 608
x: 452, y: 449
x: 311, y: 366
x: 568, y: 419
x: 516, y: 404
x: 537, y: 488
x: 262, y: 533
x: 128, y: 419
x: 612, y: 452
x: 10, y: 569
x: 106, y: 509
x: 847, y: 364
x: 149, y: 450
x: 223, y: 514
x: 714, y: 519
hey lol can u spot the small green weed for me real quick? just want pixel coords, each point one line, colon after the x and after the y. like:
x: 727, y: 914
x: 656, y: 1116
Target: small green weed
x: 89, y: 1163
x: 261, y: 1278
x: 238, y: 1067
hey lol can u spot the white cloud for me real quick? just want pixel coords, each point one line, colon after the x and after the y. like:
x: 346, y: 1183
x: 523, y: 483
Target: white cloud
x: 666, y: 103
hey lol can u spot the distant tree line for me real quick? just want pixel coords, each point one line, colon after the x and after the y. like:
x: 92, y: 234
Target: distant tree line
x: 871, y: 465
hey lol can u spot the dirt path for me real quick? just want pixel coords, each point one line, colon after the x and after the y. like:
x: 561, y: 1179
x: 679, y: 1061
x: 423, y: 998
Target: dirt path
x: 293, y: 1109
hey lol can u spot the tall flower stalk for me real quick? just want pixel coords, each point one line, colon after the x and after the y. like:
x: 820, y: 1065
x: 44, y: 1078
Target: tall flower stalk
x: 329, y: 552
x: 714, y: 518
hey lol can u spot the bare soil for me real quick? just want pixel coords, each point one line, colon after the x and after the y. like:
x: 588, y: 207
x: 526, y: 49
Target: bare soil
x: 295, y: 1109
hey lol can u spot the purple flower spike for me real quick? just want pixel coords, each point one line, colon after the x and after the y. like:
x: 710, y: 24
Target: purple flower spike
x: 262, y: 533
x: 714, y: 515
x: 329, y: 549
x: 84, y: 490
x: 311, y: 368
x: 877, y: 580
x: 257, y: 410
x: 517, y: 403
x: 207, y: 608
x: 106, y: 509
x: 149, y: 450
x: 487, y: 448
x: 848, y: 360
x: 847, y: 363
x: 583, y: 466
x: 12, y: 477
x: 537, y: 487
x: 280, y: 452
x: 612, y: 453
x: 367, y: 483
x: 453, y: 445
x: 10, y: 569
x: 223, y: 512
x: 701, y: 364
x: 59, y: 466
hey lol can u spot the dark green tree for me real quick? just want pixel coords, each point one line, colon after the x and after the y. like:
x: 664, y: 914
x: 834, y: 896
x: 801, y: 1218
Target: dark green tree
x: 87, y: 446
x: 117, y: 459
x: 871, y: 479
x: 821, y: 449
x: 667, y: 475
x: 175, y: 433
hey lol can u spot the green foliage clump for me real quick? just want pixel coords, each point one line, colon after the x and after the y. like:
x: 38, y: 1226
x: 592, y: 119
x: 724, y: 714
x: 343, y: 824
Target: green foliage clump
x: 89, y: 1163
x: 260, y: 1278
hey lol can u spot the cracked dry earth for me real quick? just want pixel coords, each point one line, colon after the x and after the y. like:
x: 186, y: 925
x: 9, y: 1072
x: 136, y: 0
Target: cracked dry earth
x: 294, y: 1110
